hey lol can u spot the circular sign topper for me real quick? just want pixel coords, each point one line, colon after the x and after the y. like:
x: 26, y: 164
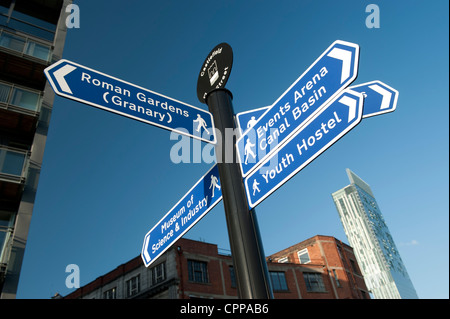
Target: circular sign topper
x: 215, y: 70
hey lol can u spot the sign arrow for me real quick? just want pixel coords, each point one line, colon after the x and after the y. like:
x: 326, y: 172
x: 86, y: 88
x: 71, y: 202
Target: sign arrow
x: 346, y: 57
x: 351, y: 103
x: 146, y: 255
x: 379, y: 98
x: 384, y: 93
x: 333, y: 121
x: 59, y: 76
x: 85, y: 85
x: 332, y: 72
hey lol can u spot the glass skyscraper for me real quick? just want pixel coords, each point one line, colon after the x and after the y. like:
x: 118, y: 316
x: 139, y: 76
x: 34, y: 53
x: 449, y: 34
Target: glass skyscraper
x: 383, y: 269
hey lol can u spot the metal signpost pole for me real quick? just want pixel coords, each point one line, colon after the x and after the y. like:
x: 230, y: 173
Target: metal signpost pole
x: 250, y: 266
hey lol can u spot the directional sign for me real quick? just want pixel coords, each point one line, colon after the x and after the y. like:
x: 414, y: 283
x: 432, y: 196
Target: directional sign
x: 333, y: 71
x: 379, y: 98
x: 82, y: 84
x: 328, y: 126
x: 198, y: 201
x: 246, y: 120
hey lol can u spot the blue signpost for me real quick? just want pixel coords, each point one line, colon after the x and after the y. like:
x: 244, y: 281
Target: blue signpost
x: 277, y: 141
x: 333, y: 71
x: 198, y: 201
x: 329, y: 125
x: 82, y: 84
x: 379, y: 98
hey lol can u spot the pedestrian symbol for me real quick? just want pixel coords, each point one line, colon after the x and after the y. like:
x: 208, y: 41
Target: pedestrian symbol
x: 255, y: 186
x: 214, y: 184
x: 248, y: 150
x: 251, y: 122
x: 201, y: 123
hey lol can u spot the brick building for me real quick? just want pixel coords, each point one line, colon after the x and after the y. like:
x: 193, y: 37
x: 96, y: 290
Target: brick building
x: 321, y: 267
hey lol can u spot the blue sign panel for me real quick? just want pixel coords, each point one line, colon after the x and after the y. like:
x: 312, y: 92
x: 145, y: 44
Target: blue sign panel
x: 333, y: 71
x: 328, y: 126
x: 82, y: 84
x: 198, y: 201
x: 379, y: 98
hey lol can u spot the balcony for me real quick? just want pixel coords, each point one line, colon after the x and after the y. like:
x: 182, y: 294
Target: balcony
x: 13, y: 165
x: 6, y: 234
x: 19, y: 99
x: 25, y: 46
x: 13, y: 173
x: 6, y: 231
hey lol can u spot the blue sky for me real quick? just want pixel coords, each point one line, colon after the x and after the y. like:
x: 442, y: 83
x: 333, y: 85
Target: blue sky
x: 106, y: 180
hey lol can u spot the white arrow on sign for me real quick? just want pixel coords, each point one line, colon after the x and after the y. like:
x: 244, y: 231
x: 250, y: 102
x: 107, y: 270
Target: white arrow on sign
x: 145, y: 249
x: 346, y: 57
x: 379, y: 98
x: 385, y: 93
x: 351, y: 103
x: 60, y: 74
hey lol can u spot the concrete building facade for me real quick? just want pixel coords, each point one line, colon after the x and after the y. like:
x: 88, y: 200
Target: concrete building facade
x: 32, y: 36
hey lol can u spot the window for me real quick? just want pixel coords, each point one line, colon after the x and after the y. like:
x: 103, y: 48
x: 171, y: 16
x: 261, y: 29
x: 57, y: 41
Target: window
x: 14, y: 95
x: 278, y: 280
x: 338, y: 283
x: 354, y: 267
x: 303, y: 256
x: 110, y: 294
x: 4, y: 92
x: 344, y: 209
x: 12, y: 162
x: 25, y: 45
x: 198, y: 271
x: 283, y: 260
x: 132, y: 286
x: 38, y: 50
x: 26, y: 99
x: 233, y: 277
x: 158, y: 273
x: 7, y: 220
x: 12, y: 42
x: 314, y: 282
